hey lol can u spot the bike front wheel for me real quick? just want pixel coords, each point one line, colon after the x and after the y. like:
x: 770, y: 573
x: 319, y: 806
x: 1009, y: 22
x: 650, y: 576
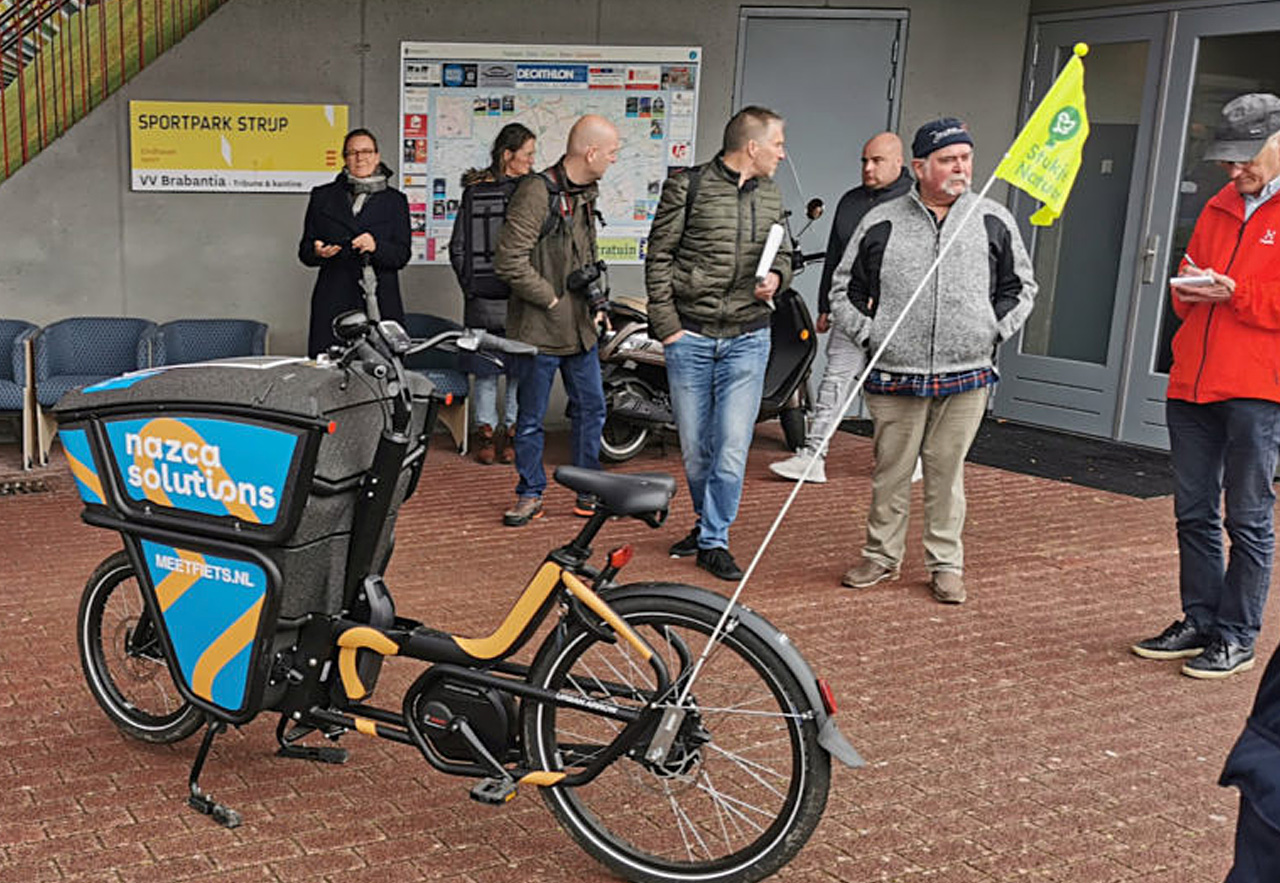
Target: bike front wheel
x: 744, y: 783
x: 123, y: 660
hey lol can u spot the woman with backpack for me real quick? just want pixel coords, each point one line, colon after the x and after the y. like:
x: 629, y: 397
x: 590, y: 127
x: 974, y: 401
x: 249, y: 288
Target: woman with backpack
x: 485, y: 195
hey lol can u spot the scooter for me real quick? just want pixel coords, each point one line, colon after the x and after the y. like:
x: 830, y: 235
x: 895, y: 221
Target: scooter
x: 633, y: 369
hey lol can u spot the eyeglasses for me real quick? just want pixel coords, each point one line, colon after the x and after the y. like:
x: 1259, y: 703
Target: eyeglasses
x: 359, y: 153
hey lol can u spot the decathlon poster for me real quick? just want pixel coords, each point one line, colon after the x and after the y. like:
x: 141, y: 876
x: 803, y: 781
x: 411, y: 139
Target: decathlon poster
x: 216, y: 147
x: 455, y: 97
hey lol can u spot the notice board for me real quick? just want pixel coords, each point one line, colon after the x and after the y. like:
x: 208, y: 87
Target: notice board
x: 455, y: 97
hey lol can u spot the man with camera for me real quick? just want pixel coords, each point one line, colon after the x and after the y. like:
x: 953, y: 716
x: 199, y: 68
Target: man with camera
x: 547, y: 255
x: 712, y: 316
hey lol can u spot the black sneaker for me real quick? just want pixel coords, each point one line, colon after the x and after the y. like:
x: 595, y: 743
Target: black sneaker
x: 585, y: 505
x: 1220, y: 659
x: 720, y: 564
x: 686, y: 547
x: 1179, y: 640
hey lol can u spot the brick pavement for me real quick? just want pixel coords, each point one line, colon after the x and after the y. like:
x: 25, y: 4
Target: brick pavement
x: 1012, y: 738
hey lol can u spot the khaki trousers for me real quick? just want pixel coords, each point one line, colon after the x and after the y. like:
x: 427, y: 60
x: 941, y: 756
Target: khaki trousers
x: 939, y: 430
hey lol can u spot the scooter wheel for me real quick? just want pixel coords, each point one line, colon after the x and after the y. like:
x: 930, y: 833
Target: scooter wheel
x: 620, y: 440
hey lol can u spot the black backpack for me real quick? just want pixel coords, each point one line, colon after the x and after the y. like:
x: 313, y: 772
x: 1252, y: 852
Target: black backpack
x: 488, y: 204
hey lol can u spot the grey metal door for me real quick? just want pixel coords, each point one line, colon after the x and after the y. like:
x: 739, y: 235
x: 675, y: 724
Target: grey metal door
x: 1065, y: 368
x: 835, y: 75
x: 1216, y: 54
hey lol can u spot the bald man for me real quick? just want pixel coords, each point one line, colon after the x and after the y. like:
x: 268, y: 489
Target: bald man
x: 883, y: 178
x: 549, y: 233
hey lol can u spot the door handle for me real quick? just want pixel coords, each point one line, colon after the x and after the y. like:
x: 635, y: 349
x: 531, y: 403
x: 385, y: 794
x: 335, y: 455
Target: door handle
x: 1149, y: 255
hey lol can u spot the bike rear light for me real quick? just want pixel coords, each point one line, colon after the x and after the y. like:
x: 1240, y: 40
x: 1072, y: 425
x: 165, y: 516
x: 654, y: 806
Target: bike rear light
x: 621, y: 556
x: 828, y: 697
x: 333, y: 426
x: 448, y: 399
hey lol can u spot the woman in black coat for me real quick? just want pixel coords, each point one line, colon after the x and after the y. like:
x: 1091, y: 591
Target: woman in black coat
x: 358, y: 213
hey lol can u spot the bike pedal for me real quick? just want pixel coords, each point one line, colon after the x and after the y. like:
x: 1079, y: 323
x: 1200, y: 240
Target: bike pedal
x: 494, y: 792
x: 320, y: 753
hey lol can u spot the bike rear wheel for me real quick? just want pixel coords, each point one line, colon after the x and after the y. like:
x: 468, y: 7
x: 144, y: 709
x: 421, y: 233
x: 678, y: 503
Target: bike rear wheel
x: 123, y: 660
x: 742, y: 787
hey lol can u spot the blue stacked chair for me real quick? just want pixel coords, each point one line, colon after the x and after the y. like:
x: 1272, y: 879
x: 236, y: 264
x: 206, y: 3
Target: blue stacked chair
x: 442, y: 370
x: 74, y: 353
x: 202, y: 340
x: 14, y: 334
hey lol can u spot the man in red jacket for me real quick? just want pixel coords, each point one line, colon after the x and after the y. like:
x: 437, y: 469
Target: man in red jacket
x: 1223, y: 408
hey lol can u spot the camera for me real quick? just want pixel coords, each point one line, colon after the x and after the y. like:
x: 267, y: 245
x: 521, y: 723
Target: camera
x: 591, y: 282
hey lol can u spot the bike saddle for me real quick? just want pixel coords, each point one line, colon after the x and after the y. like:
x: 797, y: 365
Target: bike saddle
x: 618, y: 494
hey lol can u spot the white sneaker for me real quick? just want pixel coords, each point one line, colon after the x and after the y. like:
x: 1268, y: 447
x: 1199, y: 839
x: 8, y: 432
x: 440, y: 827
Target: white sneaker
x: 794, y: 466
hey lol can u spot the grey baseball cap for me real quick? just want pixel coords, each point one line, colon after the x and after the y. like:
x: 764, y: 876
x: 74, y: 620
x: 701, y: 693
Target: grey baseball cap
x: 1247, y: 122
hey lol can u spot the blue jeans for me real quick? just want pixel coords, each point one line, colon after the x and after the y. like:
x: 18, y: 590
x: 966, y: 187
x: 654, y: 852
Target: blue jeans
x: 485, y: 397
x: 716, y: 384
x: 581, y: 376
x: 1230, y: 447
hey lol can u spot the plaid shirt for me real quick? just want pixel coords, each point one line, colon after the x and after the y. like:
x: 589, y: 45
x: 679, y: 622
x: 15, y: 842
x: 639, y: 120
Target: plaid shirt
x: 886, y: 384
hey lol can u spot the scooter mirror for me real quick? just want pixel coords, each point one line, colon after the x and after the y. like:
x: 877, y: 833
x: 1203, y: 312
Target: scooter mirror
x: 813, y: 209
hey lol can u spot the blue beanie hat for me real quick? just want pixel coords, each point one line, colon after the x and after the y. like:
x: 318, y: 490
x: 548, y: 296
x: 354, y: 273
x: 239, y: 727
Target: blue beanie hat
x: 938, y: 134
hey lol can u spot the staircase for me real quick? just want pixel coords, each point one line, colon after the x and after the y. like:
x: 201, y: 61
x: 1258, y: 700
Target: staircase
x: 61, y: 58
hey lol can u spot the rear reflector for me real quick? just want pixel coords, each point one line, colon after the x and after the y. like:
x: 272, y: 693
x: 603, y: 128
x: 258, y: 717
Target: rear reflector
x: 828, y: 697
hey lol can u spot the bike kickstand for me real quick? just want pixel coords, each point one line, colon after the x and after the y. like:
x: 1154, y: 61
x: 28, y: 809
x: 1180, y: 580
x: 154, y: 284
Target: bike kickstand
x: 198, y: 800
x: 287, y: 737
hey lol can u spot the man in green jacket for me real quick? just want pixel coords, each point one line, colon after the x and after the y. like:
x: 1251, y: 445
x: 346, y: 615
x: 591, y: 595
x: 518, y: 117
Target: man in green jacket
x: 549, y: 234
x: 712, y: 315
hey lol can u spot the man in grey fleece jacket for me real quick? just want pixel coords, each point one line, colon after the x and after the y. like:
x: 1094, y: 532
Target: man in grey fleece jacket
x: 929, y: 391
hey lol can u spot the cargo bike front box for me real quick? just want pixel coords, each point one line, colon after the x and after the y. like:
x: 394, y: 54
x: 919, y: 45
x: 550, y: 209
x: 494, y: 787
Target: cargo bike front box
x: 235, y: 486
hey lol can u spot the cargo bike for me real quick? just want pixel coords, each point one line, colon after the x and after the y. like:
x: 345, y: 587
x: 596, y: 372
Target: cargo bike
x: 675, y: 736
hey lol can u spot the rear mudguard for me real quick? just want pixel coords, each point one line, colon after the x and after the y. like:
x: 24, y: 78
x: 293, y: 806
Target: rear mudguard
x: 829, y: 735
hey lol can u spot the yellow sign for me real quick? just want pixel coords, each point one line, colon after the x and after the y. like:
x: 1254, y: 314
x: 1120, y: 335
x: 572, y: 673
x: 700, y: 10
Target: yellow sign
x: 221, y: 147
x: 619, y: 248
x: 1045, y: 157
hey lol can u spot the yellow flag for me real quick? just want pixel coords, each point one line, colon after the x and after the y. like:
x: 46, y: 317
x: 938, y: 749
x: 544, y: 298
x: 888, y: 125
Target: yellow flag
x: 1045, y: 157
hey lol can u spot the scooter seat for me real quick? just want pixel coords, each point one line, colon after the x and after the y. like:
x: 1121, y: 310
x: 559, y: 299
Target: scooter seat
x: 643, y: 493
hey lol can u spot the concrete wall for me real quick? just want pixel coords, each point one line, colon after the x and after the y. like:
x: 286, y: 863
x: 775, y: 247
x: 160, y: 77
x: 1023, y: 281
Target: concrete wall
x: 75, y: 241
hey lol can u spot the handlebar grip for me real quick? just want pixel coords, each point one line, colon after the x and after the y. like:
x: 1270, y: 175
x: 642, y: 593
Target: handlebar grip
x: 504, y: 344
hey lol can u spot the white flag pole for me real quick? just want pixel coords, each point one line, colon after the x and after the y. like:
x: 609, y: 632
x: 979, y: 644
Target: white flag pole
x: 835, y: 424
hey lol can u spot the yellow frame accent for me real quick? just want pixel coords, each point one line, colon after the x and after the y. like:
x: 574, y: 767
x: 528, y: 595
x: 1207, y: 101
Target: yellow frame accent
x: 583, y: 593
x: 526, y: 607
x: 355, y: 639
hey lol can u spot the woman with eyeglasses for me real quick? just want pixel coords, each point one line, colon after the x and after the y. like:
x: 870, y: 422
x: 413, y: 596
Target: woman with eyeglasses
x: 359, y: 213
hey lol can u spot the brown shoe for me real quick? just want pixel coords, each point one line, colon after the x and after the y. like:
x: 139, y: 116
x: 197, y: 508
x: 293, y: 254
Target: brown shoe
x: 506, y: 442
x: 947, y: 587
x: 484, y: 444
x: 867, y: 573
x: 526, y: 510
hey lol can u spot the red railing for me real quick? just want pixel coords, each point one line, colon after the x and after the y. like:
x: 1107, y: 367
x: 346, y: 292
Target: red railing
x: 61, y: 58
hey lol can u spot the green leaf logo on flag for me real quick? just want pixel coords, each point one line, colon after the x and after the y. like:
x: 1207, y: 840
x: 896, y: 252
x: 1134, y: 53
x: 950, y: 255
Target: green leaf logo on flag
x: 1065, y: 125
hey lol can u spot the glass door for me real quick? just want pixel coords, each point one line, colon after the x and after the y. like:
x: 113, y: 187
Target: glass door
x: 1064, y: 369
x: 1216, y: 55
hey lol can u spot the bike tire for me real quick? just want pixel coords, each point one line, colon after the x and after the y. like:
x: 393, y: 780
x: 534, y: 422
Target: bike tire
x: 734, y: 809
x: 793, y: 427
x: 123, y: 661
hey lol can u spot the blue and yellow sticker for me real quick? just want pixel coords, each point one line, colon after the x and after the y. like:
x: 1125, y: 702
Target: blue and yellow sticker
x: 209, y: 465
x: 75, y: 444
x: 211, y: 608
x: 124, y: 381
